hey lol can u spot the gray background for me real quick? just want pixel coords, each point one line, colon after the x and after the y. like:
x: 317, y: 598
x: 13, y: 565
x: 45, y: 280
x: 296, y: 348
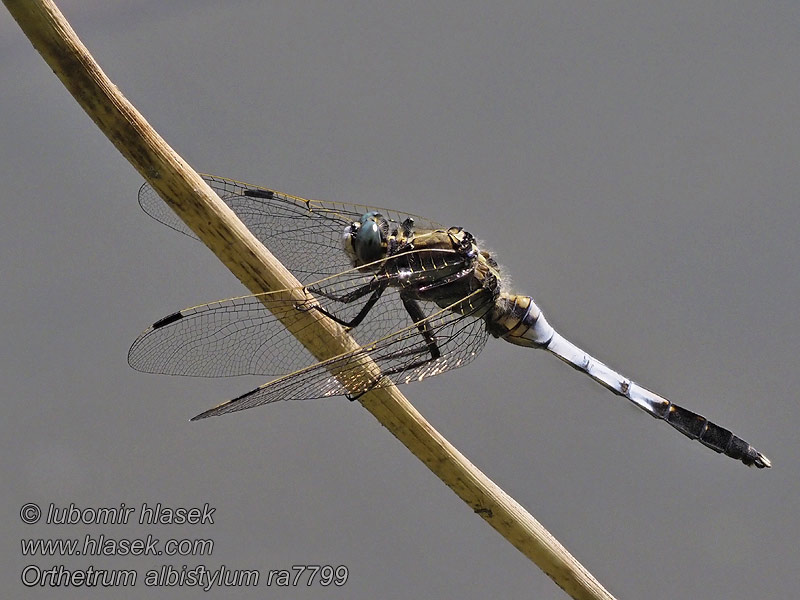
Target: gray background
x: 634, y: 167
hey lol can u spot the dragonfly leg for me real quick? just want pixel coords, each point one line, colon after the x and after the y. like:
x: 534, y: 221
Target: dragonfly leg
x: 352, y: 295
x: 355, y: 321
x: 357, y: 395
x: 418, y: 316
x: 424, y: 327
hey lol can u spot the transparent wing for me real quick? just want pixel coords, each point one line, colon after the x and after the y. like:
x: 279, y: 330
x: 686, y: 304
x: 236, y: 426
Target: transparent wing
x: 305, y: 235
x: 240, y: 336
x: 402, y: 357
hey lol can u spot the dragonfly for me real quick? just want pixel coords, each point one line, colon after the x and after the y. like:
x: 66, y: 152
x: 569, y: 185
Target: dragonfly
x: 418, y: 298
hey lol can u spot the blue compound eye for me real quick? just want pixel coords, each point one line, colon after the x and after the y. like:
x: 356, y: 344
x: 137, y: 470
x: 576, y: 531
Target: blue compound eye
x: 368, y: 240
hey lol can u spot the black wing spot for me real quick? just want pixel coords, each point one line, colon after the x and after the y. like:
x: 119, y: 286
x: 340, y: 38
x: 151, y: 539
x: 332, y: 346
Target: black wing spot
x: 266, y: 194
x: 168, y: 320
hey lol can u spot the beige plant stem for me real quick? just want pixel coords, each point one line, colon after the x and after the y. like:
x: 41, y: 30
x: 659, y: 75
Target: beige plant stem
x: 219, y: 228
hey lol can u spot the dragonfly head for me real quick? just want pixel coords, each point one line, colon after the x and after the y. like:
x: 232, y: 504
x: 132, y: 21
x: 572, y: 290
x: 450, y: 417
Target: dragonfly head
x: 365, y: 240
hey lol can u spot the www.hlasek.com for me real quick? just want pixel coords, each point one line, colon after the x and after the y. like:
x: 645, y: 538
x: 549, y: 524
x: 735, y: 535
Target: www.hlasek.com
x: 158, y: 575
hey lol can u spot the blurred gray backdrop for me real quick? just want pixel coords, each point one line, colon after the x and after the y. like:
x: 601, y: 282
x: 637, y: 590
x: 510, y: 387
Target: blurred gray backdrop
x: 633, y: 165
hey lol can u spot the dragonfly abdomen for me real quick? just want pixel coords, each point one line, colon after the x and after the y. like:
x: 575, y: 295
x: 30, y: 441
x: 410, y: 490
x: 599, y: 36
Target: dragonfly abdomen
x: 518, y: 320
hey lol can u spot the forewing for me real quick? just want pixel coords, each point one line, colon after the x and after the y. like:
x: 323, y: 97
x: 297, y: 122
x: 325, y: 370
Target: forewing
x: 241, y: 336
x: 305, y: 235
x: 237, y: 336
x: 402, y: 357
